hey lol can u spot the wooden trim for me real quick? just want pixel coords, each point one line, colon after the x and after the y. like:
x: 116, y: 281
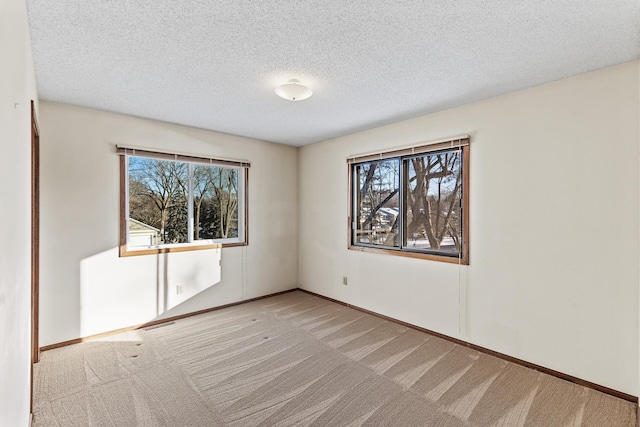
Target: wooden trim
x: 34, y: 118
x: 561, y: 375
x: 349, y: 205
x: 246, y: 211
x: 159, y: 322
x: 185, y: 248
x: 466, y: 167
x: 123, y: 206
x: 35, y: 234
x: 407, y: 254
x: 584, y: 383
x: 35, y: 246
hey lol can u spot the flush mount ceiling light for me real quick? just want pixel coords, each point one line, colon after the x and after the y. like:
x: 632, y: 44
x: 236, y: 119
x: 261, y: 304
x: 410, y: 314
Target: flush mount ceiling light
x: 293, y: 90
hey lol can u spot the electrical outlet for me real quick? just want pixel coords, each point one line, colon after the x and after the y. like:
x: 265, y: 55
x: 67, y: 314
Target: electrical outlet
x: 344, y: 280
x: 179, y: 289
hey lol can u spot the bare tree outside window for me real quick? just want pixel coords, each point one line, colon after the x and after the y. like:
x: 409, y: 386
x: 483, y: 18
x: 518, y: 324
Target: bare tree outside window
x: 378, y: 202
x: 159, y: 193
x: 158, y: 196
x: 433, y: 192
x: 215, y: 200
x: 411, y: 204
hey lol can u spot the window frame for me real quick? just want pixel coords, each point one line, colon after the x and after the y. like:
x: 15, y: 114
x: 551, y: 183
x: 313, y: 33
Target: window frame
x: 403, y: 154
x: 193, y: 245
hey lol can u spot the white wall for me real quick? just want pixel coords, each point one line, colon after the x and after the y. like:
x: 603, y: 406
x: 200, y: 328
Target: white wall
x: 17, y: 89
x: 87, y: 289
x: 554, y: 213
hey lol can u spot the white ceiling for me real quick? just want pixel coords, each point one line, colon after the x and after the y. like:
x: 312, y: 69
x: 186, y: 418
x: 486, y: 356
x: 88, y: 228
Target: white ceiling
x: 215, y: 64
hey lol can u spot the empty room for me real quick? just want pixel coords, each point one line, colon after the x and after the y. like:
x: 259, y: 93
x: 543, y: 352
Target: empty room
x: 297, y: 213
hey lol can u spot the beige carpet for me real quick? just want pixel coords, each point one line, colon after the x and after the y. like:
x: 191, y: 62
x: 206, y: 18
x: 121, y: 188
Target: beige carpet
x: 299, y: 360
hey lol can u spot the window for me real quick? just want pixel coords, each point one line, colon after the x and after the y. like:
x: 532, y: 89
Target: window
x: 412, y: 202
x: 172, y: 203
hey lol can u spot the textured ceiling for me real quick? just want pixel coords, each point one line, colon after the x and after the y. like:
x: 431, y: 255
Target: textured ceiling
x: 215, y: 64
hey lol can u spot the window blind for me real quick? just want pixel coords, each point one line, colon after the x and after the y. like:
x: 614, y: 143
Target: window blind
x: 129, y: 151
x: 457, y: 142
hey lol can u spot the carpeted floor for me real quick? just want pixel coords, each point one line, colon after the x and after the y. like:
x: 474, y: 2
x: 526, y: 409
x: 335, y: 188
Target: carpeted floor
x: 298, y: 360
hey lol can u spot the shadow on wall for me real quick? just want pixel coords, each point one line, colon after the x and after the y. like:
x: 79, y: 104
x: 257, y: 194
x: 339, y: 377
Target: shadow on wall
x: 120, y: 292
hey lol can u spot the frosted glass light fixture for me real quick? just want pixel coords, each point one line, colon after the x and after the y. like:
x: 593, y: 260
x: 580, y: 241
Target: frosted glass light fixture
x: 293, y: 90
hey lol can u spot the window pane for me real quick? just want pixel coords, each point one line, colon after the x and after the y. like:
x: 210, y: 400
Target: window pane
x: 158, y: 209
x: 377, y: 202
x: 215, y: 202
x: 433, y: 214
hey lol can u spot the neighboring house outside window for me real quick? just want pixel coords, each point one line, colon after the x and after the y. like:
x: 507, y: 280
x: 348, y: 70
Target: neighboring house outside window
x: 141, y: 234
